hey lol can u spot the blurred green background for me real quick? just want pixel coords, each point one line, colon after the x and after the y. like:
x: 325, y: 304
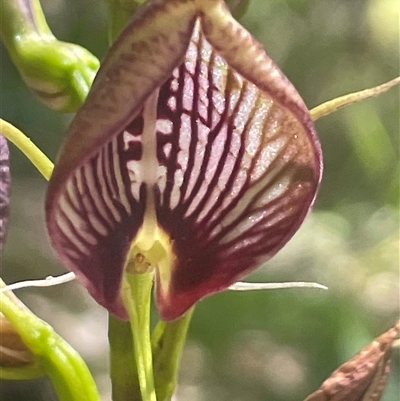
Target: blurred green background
x: 277, y: 345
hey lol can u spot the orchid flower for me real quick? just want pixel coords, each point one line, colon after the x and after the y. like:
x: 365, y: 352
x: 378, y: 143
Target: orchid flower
x: 193, y: 160
x: 193, y: 155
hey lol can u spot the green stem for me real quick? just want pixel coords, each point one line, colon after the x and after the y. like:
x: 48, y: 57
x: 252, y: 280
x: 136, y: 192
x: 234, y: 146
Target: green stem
x: 168, y: 340
x: 31, y: 151
x: 137, y: 297
x: 21, y: 19
x: 123, y: 371
x: 70, y: 376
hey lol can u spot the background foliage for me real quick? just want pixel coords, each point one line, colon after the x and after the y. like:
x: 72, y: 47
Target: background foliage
x: 276, y: 345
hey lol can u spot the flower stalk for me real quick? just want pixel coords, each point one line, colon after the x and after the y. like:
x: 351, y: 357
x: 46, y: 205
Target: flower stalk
x: 137, y: 296
x: 123, y: 369
x: 168, y: 340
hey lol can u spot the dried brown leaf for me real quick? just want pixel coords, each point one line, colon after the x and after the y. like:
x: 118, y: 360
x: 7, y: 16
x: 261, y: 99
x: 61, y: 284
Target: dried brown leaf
x: 363, y: 377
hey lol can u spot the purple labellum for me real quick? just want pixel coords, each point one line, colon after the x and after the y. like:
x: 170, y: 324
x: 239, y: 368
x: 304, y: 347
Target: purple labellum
x: 204, y: 148
x: 5, y: 187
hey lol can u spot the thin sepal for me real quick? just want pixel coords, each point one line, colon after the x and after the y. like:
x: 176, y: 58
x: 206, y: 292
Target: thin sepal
x: 337, y: 103
x: 49, y: 281
x: 243, y: 286
x: 30, y: 150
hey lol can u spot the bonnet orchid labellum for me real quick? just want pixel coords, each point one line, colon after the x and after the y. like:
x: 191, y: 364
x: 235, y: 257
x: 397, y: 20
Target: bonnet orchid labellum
x: 193, y: 155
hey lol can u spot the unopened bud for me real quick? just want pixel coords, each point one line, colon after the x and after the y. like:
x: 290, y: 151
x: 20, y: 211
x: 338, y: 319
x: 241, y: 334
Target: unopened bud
x: 13, y: 351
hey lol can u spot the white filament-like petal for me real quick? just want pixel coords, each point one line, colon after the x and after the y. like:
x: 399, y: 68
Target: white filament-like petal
x: 242, y: 286
x: 49, y: 281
